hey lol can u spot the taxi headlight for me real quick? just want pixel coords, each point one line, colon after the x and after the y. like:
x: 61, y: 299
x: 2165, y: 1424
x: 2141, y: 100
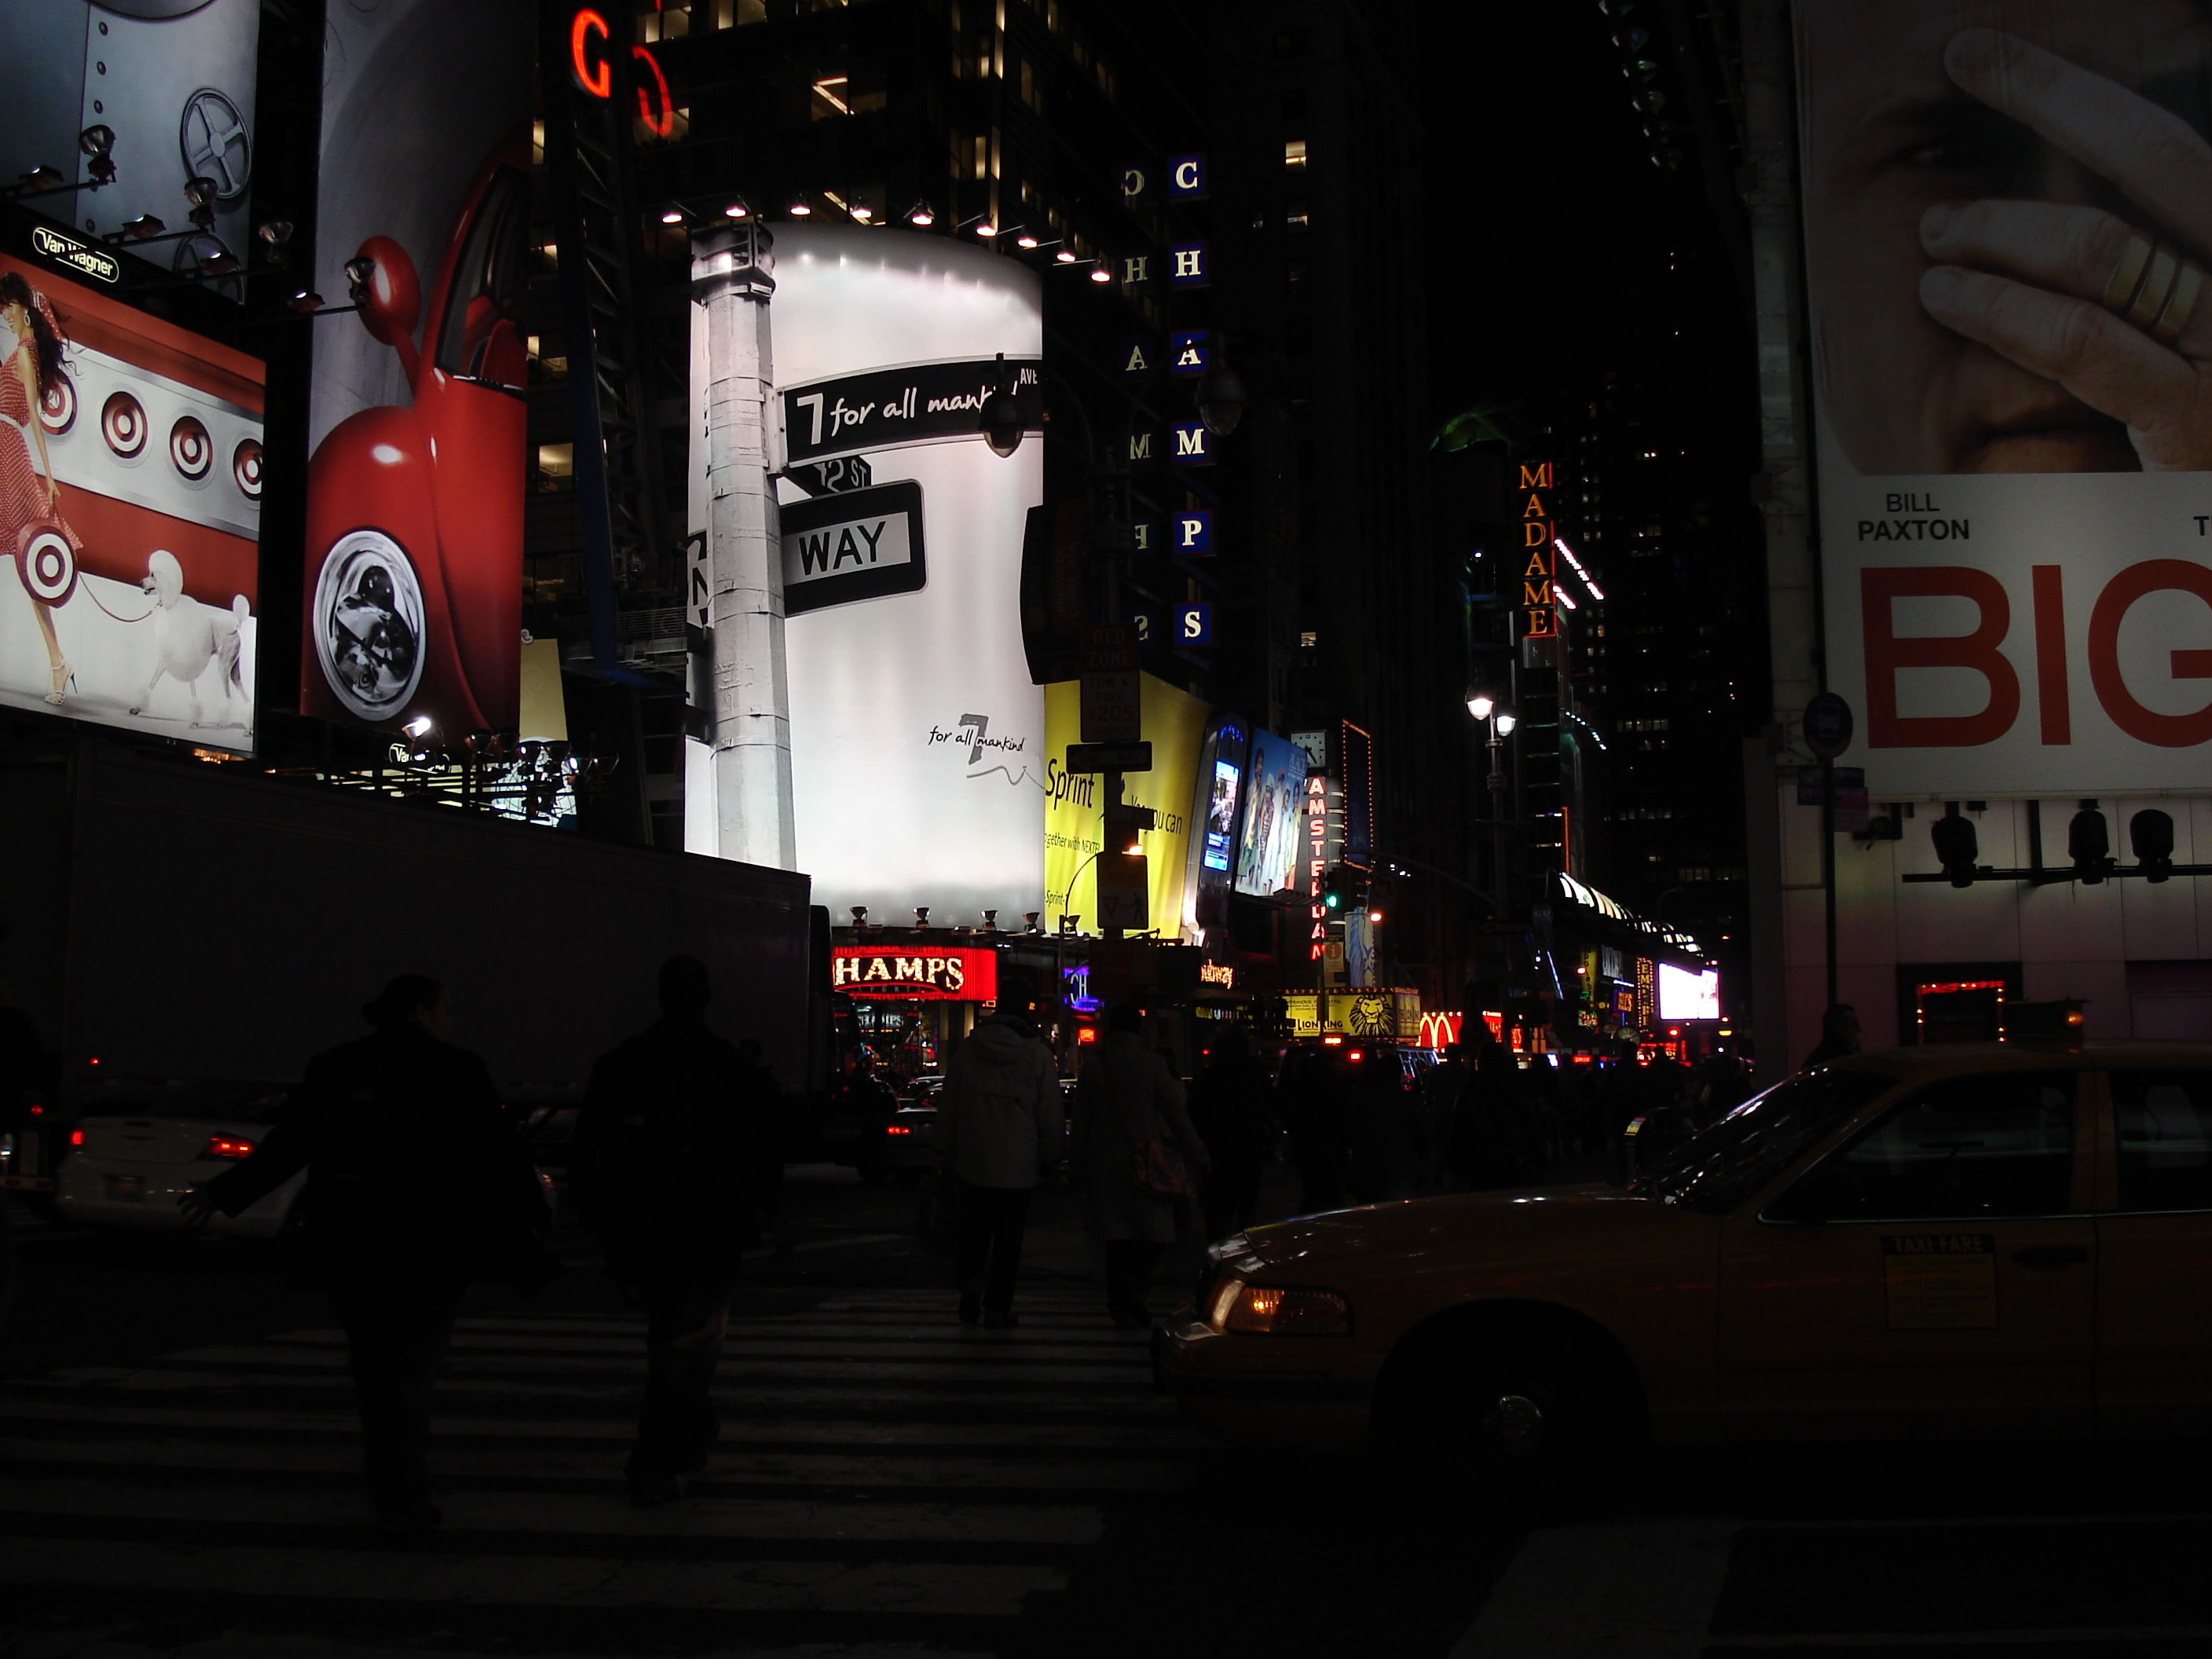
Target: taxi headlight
x: 1280, y: 1310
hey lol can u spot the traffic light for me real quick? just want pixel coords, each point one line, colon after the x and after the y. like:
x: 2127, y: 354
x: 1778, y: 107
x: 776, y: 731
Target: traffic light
x: 2150, y: 835
x: 2089, y: 844
x: 1957, y: 846
x: 1336, y: 889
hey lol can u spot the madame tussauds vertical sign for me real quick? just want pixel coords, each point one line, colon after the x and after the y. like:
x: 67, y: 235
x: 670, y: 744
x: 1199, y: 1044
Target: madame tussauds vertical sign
x: 2007, y: 225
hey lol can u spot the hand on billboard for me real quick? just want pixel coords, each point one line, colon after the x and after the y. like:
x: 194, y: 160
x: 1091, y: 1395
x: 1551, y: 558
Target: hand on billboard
x: 2115, y: 312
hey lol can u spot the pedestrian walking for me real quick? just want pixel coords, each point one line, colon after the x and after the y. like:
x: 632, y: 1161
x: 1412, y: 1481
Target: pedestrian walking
x: 999, y: 1126
x: 1317, y: 1117
x: 417, y: 1187
x: 1231, y: 1105
x: 1134, y: 1147
x: 1386, y: 1144
x: 1494, y: 1137
x: 674, y: 1160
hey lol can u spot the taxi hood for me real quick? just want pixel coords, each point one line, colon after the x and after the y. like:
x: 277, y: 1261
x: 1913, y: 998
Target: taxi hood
x: 1510, y: 1219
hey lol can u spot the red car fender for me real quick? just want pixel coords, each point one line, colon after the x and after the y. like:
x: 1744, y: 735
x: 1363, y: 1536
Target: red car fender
x: 372, y: 473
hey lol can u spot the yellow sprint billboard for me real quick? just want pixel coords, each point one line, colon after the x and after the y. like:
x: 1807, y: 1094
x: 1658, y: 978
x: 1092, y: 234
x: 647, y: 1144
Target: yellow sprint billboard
x: 1075, y: 805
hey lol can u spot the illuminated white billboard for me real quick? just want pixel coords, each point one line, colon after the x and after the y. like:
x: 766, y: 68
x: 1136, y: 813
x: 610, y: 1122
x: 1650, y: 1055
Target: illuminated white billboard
x: 917, y: 738
x: 1686, y: 995
x: 2004, y: 227
x: 130, y: 513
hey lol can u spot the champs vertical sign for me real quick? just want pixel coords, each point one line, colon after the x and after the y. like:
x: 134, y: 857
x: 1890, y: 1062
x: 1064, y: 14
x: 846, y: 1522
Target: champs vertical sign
x: 1538, y: 531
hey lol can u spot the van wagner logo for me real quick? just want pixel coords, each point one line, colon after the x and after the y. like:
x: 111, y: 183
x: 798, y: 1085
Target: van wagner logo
x: 79, y: 257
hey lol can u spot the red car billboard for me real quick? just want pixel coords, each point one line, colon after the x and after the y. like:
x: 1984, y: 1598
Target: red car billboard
x: 413, y: 584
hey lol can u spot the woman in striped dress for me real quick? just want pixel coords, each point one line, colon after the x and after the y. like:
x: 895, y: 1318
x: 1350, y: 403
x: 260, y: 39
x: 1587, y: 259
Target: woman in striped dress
x: 28, y: 491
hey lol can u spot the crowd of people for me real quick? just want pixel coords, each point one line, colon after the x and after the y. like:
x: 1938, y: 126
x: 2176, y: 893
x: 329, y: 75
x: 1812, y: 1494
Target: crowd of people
x: 675, y: 1163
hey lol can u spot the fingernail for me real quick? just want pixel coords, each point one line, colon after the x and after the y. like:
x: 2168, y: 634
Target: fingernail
x: 1973, y: 51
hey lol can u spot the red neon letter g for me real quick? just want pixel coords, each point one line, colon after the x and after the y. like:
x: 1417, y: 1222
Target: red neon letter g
x: 596, y: 78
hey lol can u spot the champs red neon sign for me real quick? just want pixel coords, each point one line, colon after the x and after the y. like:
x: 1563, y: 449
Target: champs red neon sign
x: 588, y: 36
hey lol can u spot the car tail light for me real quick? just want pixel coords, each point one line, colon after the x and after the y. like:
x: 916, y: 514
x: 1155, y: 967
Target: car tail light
x: 1278, y: 1310
x: 227, y: 1147
x: 76, y: 1137
x: 896, y: 1129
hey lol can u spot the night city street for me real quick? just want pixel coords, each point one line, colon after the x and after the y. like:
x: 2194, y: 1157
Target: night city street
x: 848, y: 828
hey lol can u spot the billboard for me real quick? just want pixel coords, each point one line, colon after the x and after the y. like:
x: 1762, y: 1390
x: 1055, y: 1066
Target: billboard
x: 172, y: 81
x: 1274, y: 817
x: 2003, y: 225
x: 1174, y: 724
x: 413, y: 589
x: 129, y: 515
x: 1686, y: 995
x: 917, y: 738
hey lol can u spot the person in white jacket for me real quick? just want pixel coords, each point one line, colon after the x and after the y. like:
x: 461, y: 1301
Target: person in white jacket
x: 999, y: 1123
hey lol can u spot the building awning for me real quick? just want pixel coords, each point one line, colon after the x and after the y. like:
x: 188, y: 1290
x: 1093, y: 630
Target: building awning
x: 1579, y: 905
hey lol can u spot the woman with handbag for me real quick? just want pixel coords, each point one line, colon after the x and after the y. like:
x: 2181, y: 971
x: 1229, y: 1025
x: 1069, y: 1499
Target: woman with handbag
x: 30, y: 497
x: 1136, y: 1157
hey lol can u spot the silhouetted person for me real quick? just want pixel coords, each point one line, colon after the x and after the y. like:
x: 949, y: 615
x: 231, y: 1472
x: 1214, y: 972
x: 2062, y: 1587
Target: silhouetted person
x: 674, y: 1159
x: 999, y: 1123
x: 1441, y: 1092
x: 1317, y: 1118
x: 1230, y: 1103
x: 1839, y: 1036
x: 1126, y: 1096
x: 1387, y: 1144
x: 1494, y: 1139
x: 417, y: 1187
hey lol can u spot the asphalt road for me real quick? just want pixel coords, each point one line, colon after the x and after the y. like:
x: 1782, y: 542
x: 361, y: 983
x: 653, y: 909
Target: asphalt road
x: 179, y: 1455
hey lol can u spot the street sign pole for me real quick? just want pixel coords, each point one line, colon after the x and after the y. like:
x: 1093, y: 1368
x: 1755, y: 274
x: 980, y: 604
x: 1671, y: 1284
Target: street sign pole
x: 1828, y: 726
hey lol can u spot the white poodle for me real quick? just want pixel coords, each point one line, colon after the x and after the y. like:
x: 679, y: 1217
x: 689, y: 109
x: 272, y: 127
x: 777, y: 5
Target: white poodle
x: 189, y: 636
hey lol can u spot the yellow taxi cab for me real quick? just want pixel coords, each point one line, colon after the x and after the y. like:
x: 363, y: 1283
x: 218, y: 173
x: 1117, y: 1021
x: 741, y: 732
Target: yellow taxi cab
x: 1988, y: 1240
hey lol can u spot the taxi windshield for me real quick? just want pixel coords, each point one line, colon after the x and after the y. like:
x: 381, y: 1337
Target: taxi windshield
x: 1715, y: 1171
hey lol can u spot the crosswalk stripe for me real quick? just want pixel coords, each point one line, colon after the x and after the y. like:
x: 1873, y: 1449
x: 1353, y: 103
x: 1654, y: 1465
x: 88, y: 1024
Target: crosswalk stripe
x: 879, y: 1465
x: 1115, y: 1472
x: 20, y: 1412
x: 591, y: 1515
x: 922, y: 1589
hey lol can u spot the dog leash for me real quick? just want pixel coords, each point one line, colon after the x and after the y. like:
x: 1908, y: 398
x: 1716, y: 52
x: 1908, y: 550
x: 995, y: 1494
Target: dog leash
x: 86, y: 590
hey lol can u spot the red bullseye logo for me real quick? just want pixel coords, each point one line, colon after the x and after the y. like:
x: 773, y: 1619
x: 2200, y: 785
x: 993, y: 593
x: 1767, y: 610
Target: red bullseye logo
x: 246, y: 469
x: 49, y: 566
x: 191, y: 452
x: 58, y: 406
x: 123, y: 424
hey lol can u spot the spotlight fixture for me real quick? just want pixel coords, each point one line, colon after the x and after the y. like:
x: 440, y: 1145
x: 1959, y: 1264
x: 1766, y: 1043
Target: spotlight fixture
x: 1026, y: 239
x: 1066, y: 256
x: 96, y: 140
x: 306, y: 302
x: 43, y: 177
x: 274, y: 232
x: 800, y: 207
x: 1100, y: 274
x: 738, y: 209
x: 144, y: 227
x: 420, y: 726
x: 672, y: 216
x: 860, y: 211
x: 201, y: 191
x: 919, y: 216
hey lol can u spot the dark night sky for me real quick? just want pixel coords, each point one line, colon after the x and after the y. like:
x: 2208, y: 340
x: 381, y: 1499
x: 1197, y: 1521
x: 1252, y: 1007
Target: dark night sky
x: 1548, y: 223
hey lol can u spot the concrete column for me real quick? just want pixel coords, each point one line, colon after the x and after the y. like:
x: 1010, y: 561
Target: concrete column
x: 733, y: 275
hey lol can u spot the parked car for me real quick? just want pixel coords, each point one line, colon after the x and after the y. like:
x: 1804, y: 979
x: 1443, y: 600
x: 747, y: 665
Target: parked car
x: 1974, y: 1240
x: 910, y: 1141
x: 137, y: 1148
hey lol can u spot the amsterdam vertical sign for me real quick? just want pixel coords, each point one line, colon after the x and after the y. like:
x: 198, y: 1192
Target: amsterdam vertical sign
x: 1538, y: 529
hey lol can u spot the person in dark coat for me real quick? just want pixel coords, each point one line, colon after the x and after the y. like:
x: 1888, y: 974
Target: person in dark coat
x: 417, y: 1187
x: 1494, y: 1139
x: 1126, y: 1096
x: 1317, y: 1118
x: 1000, y: 1124
x: 1839, y: 1036
x: 1231, y: 1103
x: 674, y: 1161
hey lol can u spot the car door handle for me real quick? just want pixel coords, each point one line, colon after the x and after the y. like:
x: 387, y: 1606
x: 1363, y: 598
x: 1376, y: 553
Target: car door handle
x: 2052, y: 1256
